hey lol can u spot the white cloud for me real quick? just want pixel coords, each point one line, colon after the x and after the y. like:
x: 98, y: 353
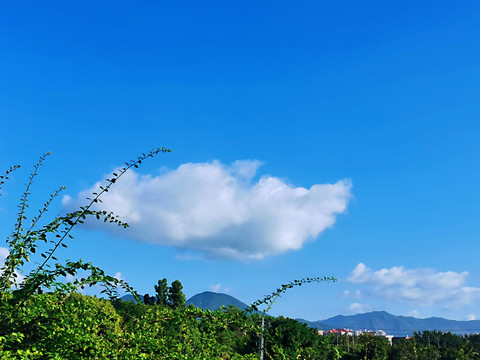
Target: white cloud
x: 414, y: 313
x: 219, y: 288
x: 471, y: 317
x: 220, y: 210
x: 421, y: 286
x: 3, y: 255
x: 188, y: 257
x: 357, y: 308
x: 118, y: 276
x: 357, y: 294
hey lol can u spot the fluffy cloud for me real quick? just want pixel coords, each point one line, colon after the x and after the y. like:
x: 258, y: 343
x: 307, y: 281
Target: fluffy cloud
x: 219, y: 288
x: 357, y: 308
x: 220, y: 210
x: 417, y: 286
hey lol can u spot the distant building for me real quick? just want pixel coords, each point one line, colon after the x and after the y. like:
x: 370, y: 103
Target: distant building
x: 383, y: 334
x: 349, y: 332
x: 339, y: 332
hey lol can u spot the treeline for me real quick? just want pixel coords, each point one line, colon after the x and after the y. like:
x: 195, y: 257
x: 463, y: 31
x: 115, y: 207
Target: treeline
x: 73, y: 326
x: 427, y: 345
x: 61, y: 325
x: 167, y: 295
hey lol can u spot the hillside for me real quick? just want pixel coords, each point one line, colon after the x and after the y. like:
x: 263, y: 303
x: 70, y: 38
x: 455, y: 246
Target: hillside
x: 211, y: 301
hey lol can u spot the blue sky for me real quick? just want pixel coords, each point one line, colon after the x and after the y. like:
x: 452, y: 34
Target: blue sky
x: 321, y: 139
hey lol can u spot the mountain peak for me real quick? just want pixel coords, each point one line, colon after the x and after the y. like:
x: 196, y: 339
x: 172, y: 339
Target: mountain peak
x: 211, y: 300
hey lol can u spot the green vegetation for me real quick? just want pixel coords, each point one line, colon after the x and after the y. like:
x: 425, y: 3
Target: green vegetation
x: 72, y: 326
x: 172, y: 296
x: 427, y: 345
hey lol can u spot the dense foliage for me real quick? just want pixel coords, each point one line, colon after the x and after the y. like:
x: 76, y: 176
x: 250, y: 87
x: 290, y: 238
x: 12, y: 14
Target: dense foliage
x: 73, y: 326
x: 165, y: 295
x: 427, y: 345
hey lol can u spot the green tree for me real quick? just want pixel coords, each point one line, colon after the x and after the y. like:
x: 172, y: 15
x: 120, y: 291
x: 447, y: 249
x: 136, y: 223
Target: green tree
x: 162, y: 291
x: 148, y: 300
x: 287, y: 338
x: 404, y: 349
x: 365, y: 347
x: 175, y: 295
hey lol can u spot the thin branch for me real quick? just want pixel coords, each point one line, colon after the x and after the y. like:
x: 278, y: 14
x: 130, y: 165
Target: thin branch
x: 45, y: 208
x: 84, y: 209
x: 269, y: 300
x: 24, y: 199
x: 5, y: 177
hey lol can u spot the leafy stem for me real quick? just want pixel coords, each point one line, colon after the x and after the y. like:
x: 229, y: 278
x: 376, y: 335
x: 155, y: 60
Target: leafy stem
x: 85, y: 209
x: 7, y: 172
x: 24, y: 243
x: 271, y: 299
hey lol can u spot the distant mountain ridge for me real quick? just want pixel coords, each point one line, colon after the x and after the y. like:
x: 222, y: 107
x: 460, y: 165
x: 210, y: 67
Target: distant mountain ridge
x: 395, y: 325
x: 375, y: 320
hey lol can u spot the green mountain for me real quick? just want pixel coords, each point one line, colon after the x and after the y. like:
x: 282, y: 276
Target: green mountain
x: 206, y: 300
x: 212, y: 301
x: 129, y: 297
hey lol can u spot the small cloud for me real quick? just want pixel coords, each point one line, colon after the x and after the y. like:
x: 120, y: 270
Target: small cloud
x: 413, y: 313
x: 471, y: 317
x: 3, y: 255
x: 220, y: 211
x: 189, y: 257
x: 118, y: 276
x: 219, y: 288
x: 357, y: 308
x: 357, y: 294
x: 421, y: 286
x: 66, y: 199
